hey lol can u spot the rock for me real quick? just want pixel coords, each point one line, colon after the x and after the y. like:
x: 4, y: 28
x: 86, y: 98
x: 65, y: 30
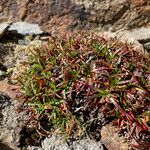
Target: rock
x: 147, y: 46
x: 4, y: 147
x: 11, y: 90
x: 3, y: 28
x: 62, y: 15
x: 5, y: 50
x: 88, y: 144
x: 24, y: 28
x: 11, y: 122
x: 23, y: 42
x: 111, y: 139
x: 14, y: 53
x: 2, y: 73
x: 57, y: 143
x: 140, y: 34
x: 4, y: 101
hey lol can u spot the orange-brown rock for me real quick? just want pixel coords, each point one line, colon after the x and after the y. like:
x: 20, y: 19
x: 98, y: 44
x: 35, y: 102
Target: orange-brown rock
x: 12, y: 91
x: 62, y: 15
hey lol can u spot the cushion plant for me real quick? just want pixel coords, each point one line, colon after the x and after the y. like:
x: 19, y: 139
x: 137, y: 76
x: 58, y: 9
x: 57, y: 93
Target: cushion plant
x: 76, y: 84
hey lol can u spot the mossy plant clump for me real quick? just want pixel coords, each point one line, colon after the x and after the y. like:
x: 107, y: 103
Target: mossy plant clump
x: 76, y: 84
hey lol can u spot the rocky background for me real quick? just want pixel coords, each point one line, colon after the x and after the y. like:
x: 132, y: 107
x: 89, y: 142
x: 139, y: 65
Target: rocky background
x: 62, y: 15
x: 26, y: 23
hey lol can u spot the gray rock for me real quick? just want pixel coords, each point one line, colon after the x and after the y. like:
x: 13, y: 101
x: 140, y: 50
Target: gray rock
x: 23, y: 42
x: 57, y: 143
x: 25, y: 28
x: 2, y: 73
x: 140, y: 34
x: 147, y: 46
x: 4, y: 101
x: 11, y: 122
x: 3, y: 28
x: 5, y: 50
x: 88, y: 145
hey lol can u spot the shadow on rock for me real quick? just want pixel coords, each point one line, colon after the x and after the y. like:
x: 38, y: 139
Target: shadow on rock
x: 4, y: 147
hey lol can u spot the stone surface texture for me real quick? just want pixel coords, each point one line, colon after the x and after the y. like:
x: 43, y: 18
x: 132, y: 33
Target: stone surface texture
x: 3, y: 28
x: 5, y: 50
x: 147, y: 46
x: 11, y: 122
x: 111, y: 139
x: 25, y: 28
x: 141, y: 34
x: 57, y: 143
x: 61, y: 15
